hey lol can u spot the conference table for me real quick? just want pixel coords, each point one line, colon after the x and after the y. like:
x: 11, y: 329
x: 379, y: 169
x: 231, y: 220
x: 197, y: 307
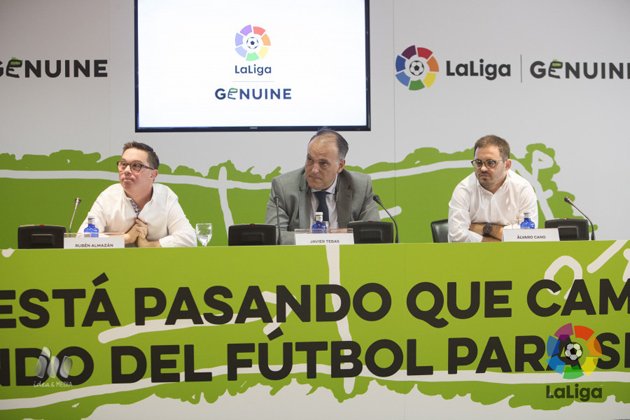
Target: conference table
x: 544, y: 325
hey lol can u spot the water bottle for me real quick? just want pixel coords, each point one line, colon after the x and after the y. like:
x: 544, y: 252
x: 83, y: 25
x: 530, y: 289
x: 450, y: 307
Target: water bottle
x: 91, y: 230
x: 528, y: 223
x: 319, y: 226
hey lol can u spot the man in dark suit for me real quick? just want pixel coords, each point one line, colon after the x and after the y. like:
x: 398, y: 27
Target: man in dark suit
x: 322, y: 185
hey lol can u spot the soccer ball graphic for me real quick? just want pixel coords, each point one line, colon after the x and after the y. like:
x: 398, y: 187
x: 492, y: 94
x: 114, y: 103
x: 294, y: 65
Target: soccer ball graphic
x: 416, y: 68
x: 252, y: 42
x: 573, y: 351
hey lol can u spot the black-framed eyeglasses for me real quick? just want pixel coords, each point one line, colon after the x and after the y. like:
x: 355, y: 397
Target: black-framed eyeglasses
x: 135, y: 166
x: 490, y: 163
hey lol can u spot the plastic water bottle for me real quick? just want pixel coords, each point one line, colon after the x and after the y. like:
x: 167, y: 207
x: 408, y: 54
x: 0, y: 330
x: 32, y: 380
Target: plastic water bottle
x: 91, y: 230
x: 528, y: 223
x: 319, y: 226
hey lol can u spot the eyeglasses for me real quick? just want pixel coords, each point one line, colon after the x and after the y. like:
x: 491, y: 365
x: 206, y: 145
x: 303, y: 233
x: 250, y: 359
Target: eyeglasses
x: 135, y: 166
x: 490, y: 163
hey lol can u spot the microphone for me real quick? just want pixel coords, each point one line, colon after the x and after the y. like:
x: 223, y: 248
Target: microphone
x: 275, y: 200
x: 568, y: 200
x: 380, y: 203
x: 77, y: 201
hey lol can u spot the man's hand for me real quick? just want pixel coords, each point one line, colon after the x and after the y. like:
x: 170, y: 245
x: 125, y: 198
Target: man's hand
x: 137, y: 234
x: 131, y: 236
x: 143, y: 231
x: 495, y: 233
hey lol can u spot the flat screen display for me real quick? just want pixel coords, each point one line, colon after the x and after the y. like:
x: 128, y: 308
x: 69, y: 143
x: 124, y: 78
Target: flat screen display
x: 205, y: 65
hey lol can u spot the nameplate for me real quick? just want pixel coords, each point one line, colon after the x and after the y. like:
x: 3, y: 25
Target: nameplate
x: 86, y: 242
x: 324, y: 238
x: 530, y: 235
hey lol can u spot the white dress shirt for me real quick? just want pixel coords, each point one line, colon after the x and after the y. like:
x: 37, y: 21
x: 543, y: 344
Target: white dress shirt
x: 471, y: 203
x: 166, y: 221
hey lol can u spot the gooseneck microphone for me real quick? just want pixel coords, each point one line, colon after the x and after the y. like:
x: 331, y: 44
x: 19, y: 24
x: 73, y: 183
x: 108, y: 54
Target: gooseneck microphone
x: 275, y: 200
x: 380, y: 203
x: 568, y: 200
x: 77, y: 201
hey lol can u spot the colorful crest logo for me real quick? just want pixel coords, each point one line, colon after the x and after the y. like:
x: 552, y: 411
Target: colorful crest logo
x: 573, y: 351
x: 416, y: 67
x: 252, y: 43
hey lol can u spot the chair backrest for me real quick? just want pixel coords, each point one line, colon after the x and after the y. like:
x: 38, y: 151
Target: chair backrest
x: 439, y: 230
x: 570, y: 229
x: 372, y: 232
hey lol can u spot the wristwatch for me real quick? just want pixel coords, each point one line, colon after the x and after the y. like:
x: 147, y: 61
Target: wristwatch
x: 487, y: 229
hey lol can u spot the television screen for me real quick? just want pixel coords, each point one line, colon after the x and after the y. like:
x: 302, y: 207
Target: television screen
x: 209, y: 65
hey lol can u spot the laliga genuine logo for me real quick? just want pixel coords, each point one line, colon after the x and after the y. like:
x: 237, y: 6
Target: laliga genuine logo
x: 416, y: 67
x: 252, y: 43
x: 572, y: 358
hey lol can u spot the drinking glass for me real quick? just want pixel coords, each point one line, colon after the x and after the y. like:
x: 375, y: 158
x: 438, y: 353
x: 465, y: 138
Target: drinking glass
x: 204, y: 233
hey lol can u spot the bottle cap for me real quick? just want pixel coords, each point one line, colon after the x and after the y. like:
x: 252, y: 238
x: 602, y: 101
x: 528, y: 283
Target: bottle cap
x: 526, y: 215
x: 319, y: 215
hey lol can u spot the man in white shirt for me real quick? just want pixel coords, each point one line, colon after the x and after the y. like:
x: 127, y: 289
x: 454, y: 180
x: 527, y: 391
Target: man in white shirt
x: 492, y: 198
x: 147, y: 213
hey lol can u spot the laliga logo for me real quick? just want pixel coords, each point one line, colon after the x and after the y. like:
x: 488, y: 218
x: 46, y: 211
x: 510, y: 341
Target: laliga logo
x: 252, y: 43
x: 565, y: 352
x: 416, y: 67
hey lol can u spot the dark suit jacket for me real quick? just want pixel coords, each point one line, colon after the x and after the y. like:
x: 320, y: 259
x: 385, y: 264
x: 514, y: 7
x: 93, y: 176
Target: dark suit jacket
x: 353, y: 200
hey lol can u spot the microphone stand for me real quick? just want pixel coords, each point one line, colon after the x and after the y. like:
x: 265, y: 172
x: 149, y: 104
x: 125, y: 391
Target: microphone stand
x: 275, y: 200
x: 77, y: 201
